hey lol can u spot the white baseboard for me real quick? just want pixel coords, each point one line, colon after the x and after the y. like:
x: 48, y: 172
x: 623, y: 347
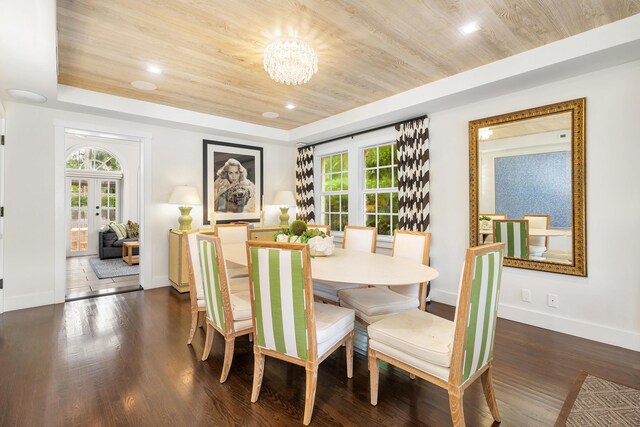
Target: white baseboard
x: 35, y: 299
x: 158, y: 282
x: 579, y: 328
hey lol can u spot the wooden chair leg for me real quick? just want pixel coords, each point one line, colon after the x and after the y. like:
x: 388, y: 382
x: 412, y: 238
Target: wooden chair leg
x: 194, y: 326
x: 456, y: 408
x: 412, y: 376
x: 201, y: 317
x: 310, y: 394
x: 208, y: 342
x: 373, y: 376
x: 489, y: 394
x: 349, y: 351
x: 250, y: 337
x: 258, y: 371
x: 228, y: 358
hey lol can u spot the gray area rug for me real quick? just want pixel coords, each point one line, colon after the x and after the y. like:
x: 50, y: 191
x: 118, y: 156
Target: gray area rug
x: 595, y: 401
x: 114, y: 267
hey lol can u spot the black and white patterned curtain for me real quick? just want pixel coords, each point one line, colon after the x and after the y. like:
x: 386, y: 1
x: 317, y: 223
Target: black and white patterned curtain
x: 304, y: 184
x: 412, y: 140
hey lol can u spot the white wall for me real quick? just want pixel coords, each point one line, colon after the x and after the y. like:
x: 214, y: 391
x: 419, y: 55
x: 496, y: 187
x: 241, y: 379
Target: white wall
x: 605, y: 306
x: 176, y: 158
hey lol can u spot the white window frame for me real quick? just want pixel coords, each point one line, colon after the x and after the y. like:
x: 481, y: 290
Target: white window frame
x: 355, y: 148
x: 332, y: 192
x: 377, y: 190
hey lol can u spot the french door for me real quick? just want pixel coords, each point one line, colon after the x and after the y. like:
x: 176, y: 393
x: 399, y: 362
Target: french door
x: 91, y: 203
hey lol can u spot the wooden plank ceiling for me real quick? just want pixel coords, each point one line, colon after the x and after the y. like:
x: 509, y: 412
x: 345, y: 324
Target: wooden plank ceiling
x: 211, y: 50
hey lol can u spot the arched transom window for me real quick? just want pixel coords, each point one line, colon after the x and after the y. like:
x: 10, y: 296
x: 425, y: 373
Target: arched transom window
x: 93, y: 159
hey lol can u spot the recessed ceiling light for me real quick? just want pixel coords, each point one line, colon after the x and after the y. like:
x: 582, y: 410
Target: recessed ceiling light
x: 26, y: 95
x: 290, y: 106
x: 154, y: 69
x: 270, y: 115
x: 469, y: 28
x: 139, y: 84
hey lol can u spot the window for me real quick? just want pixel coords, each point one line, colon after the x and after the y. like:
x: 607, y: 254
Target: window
x: 93, y: 159
x: 334, y: 193
x: 380, y: 188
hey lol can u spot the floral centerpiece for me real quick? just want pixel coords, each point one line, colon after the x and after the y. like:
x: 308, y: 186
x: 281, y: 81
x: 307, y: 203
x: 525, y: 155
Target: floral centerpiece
x: 485, y: 222
x: 319, y: 243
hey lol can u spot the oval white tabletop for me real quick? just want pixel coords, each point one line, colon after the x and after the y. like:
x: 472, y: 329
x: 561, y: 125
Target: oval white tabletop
x: 354, y: 267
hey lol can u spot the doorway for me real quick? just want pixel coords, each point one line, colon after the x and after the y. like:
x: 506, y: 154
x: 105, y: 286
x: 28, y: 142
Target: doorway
x: 102, y: 210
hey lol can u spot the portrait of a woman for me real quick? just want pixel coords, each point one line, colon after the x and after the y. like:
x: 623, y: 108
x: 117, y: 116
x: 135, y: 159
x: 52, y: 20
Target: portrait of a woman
x: 233, y: 191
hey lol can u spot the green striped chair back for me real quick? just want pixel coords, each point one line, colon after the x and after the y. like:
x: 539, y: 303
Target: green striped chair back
x: 212, y: 281
x: 279, y: 293
x: 515, y: 236
x: 482, y: 310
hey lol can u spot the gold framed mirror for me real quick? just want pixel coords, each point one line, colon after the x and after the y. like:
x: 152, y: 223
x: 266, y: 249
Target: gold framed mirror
x: 527, y: 186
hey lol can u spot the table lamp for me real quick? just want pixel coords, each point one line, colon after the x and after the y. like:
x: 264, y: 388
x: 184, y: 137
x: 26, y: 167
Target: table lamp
x: 286, y: 200
x: 184, y: 195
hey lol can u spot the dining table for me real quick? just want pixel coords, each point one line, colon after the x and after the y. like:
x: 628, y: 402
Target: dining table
x: 533, y: 232
x: 349, y: 266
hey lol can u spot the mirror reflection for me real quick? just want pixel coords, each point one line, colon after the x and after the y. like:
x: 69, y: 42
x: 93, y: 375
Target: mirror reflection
x: 524, y: 187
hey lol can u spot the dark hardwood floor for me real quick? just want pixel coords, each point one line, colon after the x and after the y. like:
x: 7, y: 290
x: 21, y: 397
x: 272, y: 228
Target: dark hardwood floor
x: 123, y: 360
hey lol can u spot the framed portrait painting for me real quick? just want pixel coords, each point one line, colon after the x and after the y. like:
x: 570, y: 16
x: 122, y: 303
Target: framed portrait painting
x: 232, y: 182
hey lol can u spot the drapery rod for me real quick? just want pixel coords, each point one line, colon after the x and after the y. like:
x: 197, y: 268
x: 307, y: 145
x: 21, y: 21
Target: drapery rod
x: 364, y: 131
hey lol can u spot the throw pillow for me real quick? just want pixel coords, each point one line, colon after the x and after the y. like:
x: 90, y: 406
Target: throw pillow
x: 133, y: 230
x: 119, y: 229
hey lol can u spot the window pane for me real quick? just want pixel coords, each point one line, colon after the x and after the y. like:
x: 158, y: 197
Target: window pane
x: 395, y: 177
x: 74, y: 214
x: 385, y: 178
x: 112, y: 201
x: 344, y: 221
x: 344, y: 203
x: 335, y: 204
x: 395, y: 153
x: 74, y: 200
x: 345, y: 161
x: 369, y: 202
x: 324, y: 203
x: 370, y: 221
x: 326, y: 164
x: 370, y: 158
x: 371, y: 178
x: 336, y: 180
x: 345, y: 181
x: 394, y: 223
x: 384, y: 225
x: 112, y: 215
x: 326, y: 182
x: 83, y: 201
x: 335, y: 222
x: 384, y: 203
x: 104, y: 200
x: 385, y: 155
x: 335, y: 163
x: 394, y: 202
x: 327, y: 219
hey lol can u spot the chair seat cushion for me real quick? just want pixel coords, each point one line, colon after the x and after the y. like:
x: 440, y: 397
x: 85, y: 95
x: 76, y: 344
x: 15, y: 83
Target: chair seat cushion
x: 418, y: 334
x: 332, y: 323
x: 377, y: 301
x: 330, y: 290
x: 430, y: 368
x: 238, y: 284
x: 201, y: 303
x: 240, y: 325
x: 241, y: 305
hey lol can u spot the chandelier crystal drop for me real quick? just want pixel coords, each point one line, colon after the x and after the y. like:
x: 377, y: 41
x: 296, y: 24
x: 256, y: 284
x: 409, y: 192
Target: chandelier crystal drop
x: 290, y: 61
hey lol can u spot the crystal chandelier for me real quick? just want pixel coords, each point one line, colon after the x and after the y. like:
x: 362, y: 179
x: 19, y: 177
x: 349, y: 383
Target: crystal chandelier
x: 290, y: 61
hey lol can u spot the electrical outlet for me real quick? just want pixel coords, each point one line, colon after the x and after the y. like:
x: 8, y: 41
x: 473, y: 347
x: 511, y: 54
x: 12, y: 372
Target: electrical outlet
x: 526, y: 295
x: 552, y: 300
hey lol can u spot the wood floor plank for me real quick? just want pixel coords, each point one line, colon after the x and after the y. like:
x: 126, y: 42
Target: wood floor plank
x: 123, y: 360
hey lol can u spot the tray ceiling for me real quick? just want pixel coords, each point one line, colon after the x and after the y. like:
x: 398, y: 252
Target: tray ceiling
x: 211, y: 51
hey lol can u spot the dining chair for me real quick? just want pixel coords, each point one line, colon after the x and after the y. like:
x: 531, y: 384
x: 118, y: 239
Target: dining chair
x: 228, y: 313
x: 288, y: 325
x: 493, y: 216
x: 377, y: 302
x: 514, y: 233
x: 322, y: 227
x: 449, y: 354
x: 234, y: 233
x: 196, y: 291
x: 355, y: 238
x: 541, y: 222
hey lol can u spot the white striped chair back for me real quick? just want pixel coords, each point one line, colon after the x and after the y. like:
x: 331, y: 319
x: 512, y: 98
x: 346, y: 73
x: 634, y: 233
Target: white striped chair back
x: 514, y: 233
x: 214, y: 280
x: 192, y: 245
x: 232, y: 233
x: 280, y: 294
x: 360, y: 238
x: 538, y: 221
x: 477, y: 310
x: 414, y: 246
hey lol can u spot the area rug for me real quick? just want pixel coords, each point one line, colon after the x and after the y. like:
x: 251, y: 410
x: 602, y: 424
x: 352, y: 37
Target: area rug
x: 114, y: 267
x: 598, y: 402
